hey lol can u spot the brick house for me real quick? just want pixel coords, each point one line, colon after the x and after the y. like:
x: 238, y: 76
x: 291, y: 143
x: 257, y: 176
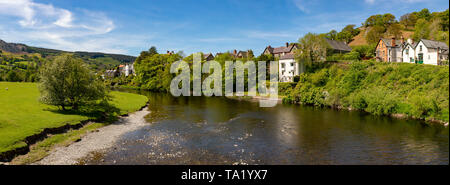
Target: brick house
x: 389, y: 50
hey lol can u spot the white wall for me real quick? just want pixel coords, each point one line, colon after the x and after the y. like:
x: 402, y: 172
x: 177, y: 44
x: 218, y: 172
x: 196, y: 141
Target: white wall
x: 287, y: 73
x: 406, y: 57
x: 429, y: 55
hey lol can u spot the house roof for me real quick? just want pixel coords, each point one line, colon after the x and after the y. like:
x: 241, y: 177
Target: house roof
x: 434, y: 44
x: 282, y: 49
x: 338, y: 45
x: 244, y: 53
x: 388, y: 42
x: 413, y: 45
x: 287, y: 56
x: 445, y: 52
x: 207, y: 55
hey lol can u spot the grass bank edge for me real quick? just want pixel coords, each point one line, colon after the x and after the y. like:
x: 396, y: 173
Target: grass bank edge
x: 125, y: 102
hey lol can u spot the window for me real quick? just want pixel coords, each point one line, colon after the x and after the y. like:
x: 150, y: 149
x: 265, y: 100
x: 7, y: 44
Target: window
x: 420, y: 49
x: 282, y: 65
x: 292, y: 64
x: 407, y: 51
x: 429, y: 57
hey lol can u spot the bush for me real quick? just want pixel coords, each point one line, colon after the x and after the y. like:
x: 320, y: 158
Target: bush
x: 379, y: 88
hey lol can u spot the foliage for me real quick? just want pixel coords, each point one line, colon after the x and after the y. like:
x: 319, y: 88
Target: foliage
x: 365, y: 51
x: 312, y: 48
x: 375, y: 33
x: 66, y: 81
x: 420, y: 91
x: 153, y: 71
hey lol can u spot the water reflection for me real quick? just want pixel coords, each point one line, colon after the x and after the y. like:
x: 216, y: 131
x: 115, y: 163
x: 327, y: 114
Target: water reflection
x: 200, y: 130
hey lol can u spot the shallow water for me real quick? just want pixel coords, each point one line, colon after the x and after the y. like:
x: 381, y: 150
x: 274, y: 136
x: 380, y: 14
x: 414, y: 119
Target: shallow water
x: 201, y: 130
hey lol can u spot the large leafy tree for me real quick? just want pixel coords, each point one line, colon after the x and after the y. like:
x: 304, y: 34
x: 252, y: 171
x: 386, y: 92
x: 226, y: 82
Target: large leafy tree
x: 374, y: 34
x: 312, y: 48
x: 67, y: 81
x: 153, y: 71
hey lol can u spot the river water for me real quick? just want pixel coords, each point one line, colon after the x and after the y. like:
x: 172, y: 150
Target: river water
x: 218, y: 130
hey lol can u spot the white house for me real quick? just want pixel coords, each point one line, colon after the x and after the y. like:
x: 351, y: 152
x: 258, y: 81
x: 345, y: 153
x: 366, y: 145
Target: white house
x: 127, y: 69
x: 288, y: 68
x: 425, y: 52
x: 408, y: 52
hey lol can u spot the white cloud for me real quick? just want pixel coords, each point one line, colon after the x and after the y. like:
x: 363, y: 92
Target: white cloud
x: 301, y: 5
x: 45, y: 25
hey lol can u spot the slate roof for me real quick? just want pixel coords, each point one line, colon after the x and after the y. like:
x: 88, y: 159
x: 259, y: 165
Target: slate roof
x: 287, y: 56
x: 445, y: 52
x: 434, y: 44
x: 388, y: 42
x: 282, y: 49
x: 207, y: 55
x: 338, y: 45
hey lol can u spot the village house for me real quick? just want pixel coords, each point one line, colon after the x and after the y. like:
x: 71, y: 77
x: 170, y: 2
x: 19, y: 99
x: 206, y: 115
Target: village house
x: 208, y: 57
x: 426, y: 52
x: 242, y: 54
x: 111, y: 73
x: 408, y: 52
x: 389, y: 50
x: 338, y: 47
x: 127, y: 69
x: 281, y: 51
x: 288, y: 68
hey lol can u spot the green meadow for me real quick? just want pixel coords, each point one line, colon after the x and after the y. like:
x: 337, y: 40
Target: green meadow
x: 22, y: 115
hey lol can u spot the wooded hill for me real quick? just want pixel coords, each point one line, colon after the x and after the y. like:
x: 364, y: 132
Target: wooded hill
x: 18, y: 48
x: 415, y: 25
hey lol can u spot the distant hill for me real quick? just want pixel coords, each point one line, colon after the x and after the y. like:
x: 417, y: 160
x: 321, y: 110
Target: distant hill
x: 18, y: 48
x: 360, y: 39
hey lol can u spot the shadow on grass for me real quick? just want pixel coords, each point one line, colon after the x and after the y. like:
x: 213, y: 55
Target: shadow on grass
x: 101, y: 112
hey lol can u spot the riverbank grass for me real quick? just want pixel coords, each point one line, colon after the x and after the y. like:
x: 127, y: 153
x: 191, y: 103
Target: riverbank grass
x: 22, y: 115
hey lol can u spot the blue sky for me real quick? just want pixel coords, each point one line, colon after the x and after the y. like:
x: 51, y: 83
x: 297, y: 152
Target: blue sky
x: 128, y: 27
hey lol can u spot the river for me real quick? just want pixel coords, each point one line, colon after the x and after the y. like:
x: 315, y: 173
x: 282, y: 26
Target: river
x: 218, y: 130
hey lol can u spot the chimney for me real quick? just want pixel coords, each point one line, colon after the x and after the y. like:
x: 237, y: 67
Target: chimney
x: 410, y: 41
x: 393, y: 42
x: 287, y: 44
x: 235, y: 52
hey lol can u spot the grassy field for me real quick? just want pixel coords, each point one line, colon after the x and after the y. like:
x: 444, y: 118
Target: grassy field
x: 21, y: 115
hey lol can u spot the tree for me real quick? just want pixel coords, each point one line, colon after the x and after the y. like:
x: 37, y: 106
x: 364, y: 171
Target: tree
x: 395, y: 30
x: 152, y: 50
x: 12, y: 76
x: 351, y: 29
x: 153, y: 71
x: 388, y: 19
x: 67, y: 81
x: 444, y: 17
x: 374, y: 34
x: 408, y: 20
x: 421, y: 30
x: 332, y: 35
x: 312, y: 48
x: 424, y: 14
x: 344, y: 36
